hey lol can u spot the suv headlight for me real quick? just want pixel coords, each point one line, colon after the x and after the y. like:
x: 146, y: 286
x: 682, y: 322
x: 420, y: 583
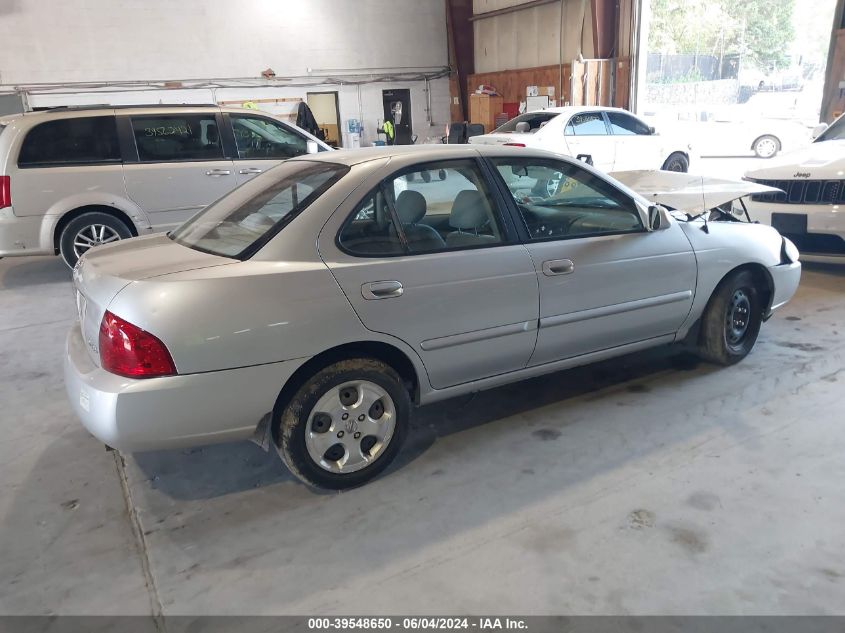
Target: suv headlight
x: 789, y: 252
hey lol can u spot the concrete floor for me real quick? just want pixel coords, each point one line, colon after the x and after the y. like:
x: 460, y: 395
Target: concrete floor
x: 650, y: 484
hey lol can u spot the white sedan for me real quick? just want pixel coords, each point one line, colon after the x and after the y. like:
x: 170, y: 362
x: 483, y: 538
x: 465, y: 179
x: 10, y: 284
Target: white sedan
x: 611, y: 139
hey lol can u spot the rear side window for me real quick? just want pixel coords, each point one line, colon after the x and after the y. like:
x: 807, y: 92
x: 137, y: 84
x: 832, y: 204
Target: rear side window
x: 183, y: 137
x: 71, y: 141
x: 586, y: 124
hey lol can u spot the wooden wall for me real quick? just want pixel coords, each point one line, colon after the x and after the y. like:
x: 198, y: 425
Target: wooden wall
x: 596, y: 82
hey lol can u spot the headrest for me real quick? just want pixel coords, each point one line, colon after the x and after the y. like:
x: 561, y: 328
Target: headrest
x: 468, y: 211
x: 410, y: 207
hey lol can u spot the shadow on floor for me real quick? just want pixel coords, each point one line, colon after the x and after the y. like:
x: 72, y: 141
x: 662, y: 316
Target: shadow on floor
x: 32, y: 271
x: 213, y: 471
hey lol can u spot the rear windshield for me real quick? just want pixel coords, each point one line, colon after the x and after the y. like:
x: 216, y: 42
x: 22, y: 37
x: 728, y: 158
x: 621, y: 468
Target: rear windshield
x: 535, y: 121
x: 239, y: 231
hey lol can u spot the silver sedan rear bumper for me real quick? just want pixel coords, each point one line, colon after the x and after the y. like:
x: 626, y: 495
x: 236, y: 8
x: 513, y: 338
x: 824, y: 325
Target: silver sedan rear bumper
x: 169, y: 412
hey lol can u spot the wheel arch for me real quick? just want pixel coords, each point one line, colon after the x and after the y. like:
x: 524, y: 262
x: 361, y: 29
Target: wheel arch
x: 379, y: 350
x: 71, y: 215
x: 763, y: 279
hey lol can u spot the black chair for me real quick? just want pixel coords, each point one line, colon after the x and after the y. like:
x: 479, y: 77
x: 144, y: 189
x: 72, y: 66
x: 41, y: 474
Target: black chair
x: 475, y: 129
x: 457, y: 133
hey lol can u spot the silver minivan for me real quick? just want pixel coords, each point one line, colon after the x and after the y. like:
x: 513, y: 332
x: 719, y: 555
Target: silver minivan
x: 75, y: 178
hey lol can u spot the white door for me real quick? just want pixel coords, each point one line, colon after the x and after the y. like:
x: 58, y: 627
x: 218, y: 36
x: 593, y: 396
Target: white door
x: 605, y: 280
x: 181, y: 166
x: 636, y: 146
x: 587, y: 135
x: 262, y: 143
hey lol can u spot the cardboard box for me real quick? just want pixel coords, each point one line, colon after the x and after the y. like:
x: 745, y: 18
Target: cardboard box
x: 483, y: 109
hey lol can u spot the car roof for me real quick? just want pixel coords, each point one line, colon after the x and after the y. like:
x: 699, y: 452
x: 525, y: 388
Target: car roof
x: 427, y: 152
x: 147, y: 108
x: 579, y: 109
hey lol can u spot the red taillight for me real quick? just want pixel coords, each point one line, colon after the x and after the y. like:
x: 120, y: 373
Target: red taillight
x: 5, y: 192
x: 127, y: 350
x: 515, y: 144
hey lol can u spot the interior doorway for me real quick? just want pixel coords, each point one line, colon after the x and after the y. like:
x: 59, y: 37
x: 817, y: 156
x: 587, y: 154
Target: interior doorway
x: 324, y: 106
x: 397, y: 108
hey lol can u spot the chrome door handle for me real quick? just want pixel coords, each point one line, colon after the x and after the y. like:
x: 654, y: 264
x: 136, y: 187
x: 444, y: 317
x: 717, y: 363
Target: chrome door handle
x: 250, y: 170
x: 382, y: 290
x: 558, y: 267
x: 216, y: 173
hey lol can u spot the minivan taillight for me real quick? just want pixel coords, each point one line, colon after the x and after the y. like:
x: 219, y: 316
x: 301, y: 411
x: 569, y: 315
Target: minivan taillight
x: 5, y: 192
x: 127, y: 350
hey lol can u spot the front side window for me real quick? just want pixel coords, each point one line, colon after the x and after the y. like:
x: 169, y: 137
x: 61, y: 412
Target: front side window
x: 559, y: 200
x: 238, y: 231
x: 78, y: 140
x: 187, y: 137
x: 586, y: 124
x: 626, y: 125
x: 436, y: 207
x: 257, y: 138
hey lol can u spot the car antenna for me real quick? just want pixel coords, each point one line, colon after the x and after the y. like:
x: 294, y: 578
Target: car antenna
x: 706, y: 213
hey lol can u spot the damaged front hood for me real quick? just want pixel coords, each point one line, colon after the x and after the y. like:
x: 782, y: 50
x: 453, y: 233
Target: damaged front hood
x: 687, y: 192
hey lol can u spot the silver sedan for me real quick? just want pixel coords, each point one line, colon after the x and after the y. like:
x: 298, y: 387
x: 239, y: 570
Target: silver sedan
x: 311, y: 307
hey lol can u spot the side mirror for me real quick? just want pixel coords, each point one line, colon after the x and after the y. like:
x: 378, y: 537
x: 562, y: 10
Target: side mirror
x: 819, y: 130
x: 312, y: 147
x: 658, y: 218
x: 651, y: 130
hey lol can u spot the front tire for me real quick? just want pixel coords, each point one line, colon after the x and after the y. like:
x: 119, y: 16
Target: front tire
x: 676, y: 162
x: 731, y: 322
x: 766, y: 146
x: 344, y: 425
x: 88, y: 231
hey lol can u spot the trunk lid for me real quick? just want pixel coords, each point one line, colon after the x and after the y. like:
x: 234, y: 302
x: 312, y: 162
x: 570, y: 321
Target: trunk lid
x: 497, y: 139
x: 106, y: 270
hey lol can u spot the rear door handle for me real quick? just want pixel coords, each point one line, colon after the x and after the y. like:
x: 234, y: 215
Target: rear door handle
x: 216, y: 173
x: 558, y: 267
x: 250, y: 170
x: 382, y: 290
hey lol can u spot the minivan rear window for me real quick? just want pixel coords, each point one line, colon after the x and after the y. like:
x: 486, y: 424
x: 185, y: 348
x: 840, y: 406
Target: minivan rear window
x: 240, y: 230
x: 71, y: 141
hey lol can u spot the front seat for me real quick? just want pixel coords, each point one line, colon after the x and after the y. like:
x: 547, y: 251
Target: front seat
x: 411, y: 207
x: 469, y: 216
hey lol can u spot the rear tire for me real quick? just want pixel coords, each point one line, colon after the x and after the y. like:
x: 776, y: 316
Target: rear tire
x: 88, y: 231
x: 731, y: 322
x: 345, y: 425
x: 676, y: 162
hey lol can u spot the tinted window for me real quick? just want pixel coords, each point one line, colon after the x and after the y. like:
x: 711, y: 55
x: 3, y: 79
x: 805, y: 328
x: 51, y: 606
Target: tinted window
x: 177, y: 137
x: 835, y: 132
x: 441, y: 206
x: 258, y: 137
x: 238, y: 231
x: 535, y: 121
x: 625, y: 124
x: 586, y: 124
x: 81, y: 140
x: 559, y: 200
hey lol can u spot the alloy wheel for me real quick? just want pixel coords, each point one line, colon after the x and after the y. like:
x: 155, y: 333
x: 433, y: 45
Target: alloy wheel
x: 91, y: 236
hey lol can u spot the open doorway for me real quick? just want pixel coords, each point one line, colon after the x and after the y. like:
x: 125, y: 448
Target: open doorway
x: 324, y: 105
x: 397, y: 108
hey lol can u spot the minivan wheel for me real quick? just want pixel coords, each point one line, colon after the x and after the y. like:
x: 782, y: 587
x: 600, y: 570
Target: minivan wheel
x: 88, y: 231
x: 732, y: 320
x: 344, y: 425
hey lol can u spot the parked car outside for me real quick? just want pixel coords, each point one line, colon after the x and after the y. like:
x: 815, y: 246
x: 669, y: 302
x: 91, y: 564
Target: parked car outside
x: 736, y: 130
x: 310, y: 308
x: 75, y: 178
x: 810, y: 206
x: 611, y: 139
